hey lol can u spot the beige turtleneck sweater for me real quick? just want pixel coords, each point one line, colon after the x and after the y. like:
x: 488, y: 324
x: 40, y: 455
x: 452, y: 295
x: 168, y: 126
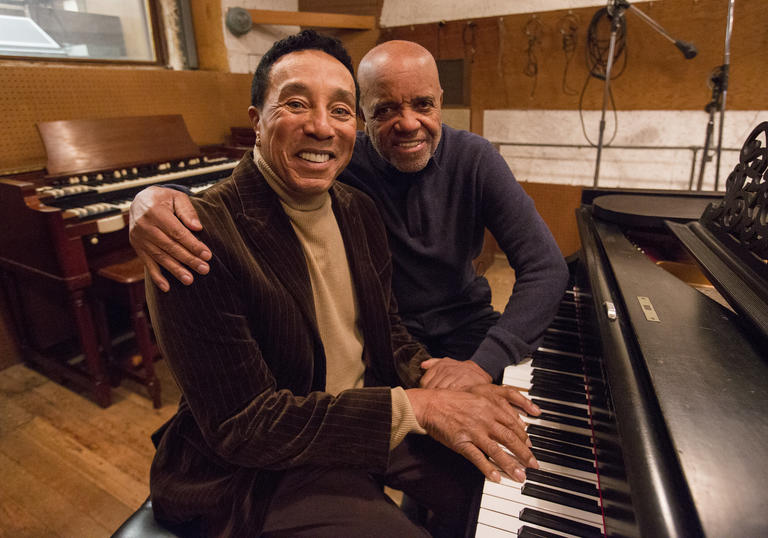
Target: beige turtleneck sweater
x: 318, y: 231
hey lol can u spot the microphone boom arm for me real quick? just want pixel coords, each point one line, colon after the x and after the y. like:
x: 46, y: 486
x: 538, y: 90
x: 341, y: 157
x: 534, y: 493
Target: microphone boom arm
x: 688, y: 49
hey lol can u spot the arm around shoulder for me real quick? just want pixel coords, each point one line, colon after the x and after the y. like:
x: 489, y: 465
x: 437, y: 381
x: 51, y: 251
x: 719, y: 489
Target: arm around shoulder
x: 160, y: 221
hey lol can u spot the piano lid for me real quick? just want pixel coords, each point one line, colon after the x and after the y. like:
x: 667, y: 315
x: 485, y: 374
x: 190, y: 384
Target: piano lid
x: 82, y: 146
x: 730, y: 239
x: 650, y: 210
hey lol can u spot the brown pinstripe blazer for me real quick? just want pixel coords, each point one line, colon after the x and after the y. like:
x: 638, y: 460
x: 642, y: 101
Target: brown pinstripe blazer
x: 244, y: 347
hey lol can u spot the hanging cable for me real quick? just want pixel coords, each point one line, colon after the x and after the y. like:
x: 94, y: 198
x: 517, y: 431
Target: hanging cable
x: 568, y: 26
x: 597, y: 49
x: 533, y: 29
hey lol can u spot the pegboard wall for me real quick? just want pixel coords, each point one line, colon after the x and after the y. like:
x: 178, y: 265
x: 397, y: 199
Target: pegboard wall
x: 210, y: 102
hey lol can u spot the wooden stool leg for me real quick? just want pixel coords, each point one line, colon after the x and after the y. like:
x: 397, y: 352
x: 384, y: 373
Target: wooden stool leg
x: 89, y: 345
x: 144, y: 341
x: 102, y: 325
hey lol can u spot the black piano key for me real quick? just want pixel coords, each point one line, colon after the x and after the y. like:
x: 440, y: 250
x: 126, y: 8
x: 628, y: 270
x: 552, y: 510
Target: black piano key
x: 570, y: 421
x: 552, y: 433
x: 563, y: 355
x: 557, y: 364
x: 555, y: 395
x: 565, y: 323
x: 601, y: 416
x: 561, y: 497
x: 548, y: 376
x: 558, y: 523
x: 532, y: 532
x: 564, y: 388
x: 563, y: 460
x: 597, y: 400
x: 562, y: 448
x: 564, y: 409
x: 561, y: 342
x: 559, y: 481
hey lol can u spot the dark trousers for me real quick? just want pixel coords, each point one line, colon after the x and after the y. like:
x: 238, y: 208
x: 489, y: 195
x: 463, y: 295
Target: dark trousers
x: 339, y: 502
x: 459, y: 344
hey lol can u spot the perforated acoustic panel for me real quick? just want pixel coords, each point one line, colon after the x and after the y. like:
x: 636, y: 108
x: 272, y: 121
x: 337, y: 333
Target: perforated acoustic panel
x: 210, y: 102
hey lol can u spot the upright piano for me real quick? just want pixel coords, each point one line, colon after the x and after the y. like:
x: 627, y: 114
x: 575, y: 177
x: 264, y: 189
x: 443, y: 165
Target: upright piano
x: 653, y: 378
x: 59, y: 225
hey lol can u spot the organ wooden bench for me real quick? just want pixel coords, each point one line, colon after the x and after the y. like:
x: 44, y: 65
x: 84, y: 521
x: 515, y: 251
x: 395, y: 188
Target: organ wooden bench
x: 121, y: 282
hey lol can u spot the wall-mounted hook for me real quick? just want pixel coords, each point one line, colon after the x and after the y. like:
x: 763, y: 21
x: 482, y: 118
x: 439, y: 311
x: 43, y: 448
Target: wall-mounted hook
x: 238, y: 21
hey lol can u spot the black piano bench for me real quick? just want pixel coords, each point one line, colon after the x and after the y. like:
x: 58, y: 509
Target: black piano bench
x: 122, y: 282
x: 142, y: 524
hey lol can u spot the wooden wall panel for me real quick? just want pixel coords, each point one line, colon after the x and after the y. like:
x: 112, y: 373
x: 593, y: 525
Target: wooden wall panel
x: 557, y: 205
x: 657, y: 77
x: 209, y: 35
x: 357, y: 42
x: 210, y: 102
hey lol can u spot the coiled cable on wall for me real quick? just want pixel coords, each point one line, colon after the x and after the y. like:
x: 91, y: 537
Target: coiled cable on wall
x: 533, y: 29
x: 568, y: 26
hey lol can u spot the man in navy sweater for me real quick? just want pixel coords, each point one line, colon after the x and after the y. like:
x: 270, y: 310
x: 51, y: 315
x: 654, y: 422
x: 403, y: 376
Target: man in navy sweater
x: 437, y: 189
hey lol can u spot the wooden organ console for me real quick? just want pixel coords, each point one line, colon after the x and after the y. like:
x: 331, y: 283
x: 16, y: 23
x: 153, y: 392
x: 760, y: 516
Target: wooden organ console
x: 653, y: 378
x: 60, y: 225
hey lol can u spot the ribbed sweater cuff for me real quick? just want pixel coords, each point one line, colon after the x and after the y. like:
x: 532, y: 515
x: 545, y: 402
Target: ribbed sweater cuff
x: 403, y: 419
x: 493, y: 358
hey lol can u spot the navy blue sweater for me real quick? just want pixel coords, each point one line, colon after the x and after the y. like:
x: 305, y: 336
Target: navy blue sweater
x: 435, y: 219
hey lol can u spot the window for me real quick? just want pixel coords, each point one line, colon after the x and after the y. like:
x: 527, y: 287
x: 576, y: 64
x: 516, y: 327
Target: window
x: 110, y: 30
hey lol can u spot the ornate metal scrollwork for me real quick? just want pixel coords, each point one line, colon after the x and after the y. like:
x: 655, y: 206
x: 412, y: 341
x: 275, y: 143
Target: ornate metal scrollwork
x: 743, y: 212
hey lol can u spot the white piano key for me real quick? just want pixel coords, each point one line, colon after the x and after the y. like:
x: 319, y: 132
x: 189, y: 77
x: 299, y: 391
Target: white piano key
x: 556, y: 425
x: 510, y: 500
x: 489, y: 531
x: 567, y: 471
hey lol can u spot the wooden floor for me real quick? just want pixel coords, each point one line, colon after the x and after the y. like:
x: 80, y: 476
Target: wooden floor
x: 69, y: 468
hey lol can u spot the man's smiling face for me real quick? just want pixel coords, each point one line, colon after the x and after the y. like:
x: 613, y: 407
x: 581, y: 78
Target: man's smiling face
x: 401, y: 99
x: 307, y: 123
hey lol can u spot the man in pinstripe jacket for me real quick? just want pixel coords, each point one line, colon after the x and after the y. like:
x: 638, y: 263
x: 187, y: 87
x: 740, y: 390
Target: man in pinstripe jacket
x: 299, y: 383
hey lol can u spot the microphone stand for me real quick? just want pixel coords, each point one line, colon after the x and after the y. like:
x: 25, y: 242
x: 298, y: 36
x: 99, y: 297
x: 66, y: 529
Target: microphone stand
x: 717, y: 79
x: 616, y: 22
x: 726, y: 68
x: 616, y: 11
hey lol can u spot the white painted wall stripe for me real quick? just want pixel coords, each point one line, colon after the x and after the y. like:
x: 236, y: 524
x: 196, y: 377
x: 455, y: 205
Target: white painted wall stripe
x: 630, y: 168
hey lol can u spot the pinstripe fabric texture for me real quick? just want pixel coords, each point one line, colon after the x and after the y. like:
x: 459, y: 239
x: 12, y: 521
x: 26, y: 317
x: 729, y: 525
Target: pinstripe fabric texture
x: 243, y: 344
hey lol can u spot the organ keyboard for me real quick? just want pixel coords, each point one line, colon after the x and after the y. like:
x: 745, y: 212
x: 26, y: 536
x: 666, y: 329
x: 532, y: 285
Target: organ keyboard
x: 62, y: 224
x: 99, y: 195
x: 653, y: 380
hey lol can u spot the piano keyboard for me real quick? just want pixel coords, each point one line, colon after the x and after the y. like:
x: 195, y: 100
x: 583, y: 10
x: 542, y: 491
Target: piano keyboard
x: 562, y: 497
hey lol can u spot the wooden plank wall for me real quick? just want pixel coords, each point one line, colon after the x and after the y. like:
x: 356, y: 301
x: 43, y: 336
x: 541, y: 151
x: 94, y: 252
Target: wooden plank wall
x: 657, y: 77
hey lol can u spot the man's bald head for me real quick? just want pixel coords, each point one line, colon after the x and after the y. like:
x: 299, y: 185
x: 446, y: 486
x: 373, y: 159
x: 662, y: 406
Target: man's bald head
x: 393, y: 56
x: 400, y: 99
